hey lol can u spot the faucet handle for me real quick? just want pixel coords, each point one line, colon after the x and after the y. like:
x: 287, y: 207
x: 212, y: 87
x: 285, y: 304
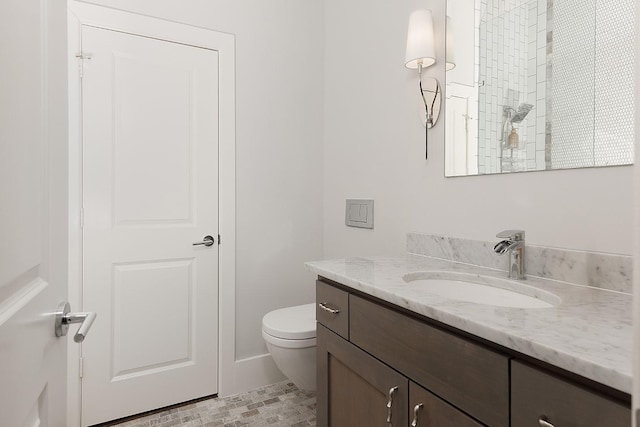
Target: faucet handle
x: 515, y: 235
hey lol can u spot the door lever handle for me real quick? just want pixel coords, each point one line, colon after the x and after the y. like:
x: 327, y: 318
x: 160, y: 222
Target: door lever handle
x: 64, y: 318
x: 206, y: 241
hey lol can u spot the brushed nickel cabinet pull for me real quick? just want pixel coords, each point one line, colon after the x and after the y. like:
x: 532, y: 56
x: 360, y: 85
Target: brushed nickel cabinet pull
x: 325, y: 307
x: 392, y: 391
x: 416, y: 413
x: 543, y: 422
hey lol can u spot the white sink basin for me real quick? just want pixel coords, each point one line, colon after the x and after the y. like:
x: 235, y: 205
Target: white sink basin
x: 481, y: 289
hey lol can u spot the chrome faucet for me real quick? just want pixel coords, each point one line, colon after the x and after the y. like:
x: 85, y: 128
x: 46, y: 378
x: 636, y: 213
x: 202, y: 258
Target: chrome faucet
x: 514, y: 244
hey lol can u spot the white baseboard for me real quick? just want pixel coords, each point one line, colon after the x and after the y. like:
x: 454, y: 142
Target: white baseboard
x: 251, y: 373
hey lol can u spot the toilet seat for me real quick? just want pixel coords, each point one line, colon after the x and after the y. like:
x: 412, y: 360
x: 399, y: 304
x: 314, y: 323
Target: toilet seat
x: 291, y: 323
x: 287, y: 343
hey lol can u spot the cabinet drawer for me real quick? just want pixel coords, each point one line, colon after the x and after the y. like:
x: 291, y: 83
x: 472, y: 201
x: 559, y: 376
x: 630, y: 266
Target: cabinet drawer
x: 465, y: 374
x: 537, y: 394
x: 335, y: 314
x: 435, y: 412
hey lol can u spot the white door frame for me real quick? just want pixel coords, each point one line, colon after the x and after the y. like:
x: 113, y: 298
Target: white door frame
x: 87, y: 14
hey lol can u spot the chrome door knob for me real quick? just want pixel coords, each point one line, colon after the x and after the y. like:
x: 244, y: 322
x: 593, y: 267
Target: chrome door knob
x: 206, y: 241
x: 64, y: 318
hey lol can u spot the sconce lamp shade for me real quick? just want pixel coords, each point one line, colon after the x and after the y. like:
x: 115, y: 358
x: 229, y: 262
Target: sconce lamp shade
x: 450, y: 47
x: 420, y: 45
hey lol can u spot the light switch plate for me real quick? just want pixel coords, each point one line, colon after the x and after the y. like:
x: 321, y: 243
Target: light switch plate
x: 359, y: 213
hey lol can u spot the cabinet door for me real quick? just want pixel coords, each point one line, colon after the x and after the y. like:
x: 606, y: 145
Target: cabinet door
x: 428, y: 410
x: 537, y: 395
x: 354, y: 388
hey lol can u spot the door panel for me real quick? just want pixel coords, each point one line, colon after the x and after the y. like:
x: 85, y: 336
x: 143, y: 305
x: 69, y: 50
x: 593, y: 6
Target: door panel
x: 33, y: 213
x: 150, y: 147
x: 158, y: 189
x: 169, y: 342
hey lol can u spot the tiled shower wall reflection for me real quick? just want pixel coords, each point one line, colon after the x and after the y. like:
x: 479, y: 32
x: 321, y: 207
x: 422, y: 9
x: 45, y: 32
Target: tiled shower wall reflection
x: 593, y: 93
x: 513, y: 58
x: 573, y: 60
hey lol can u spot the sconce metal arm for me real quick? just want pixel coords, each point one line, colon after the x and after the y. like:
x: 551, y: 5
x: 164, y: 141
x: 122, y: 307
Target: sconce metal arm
x: 429, y: 116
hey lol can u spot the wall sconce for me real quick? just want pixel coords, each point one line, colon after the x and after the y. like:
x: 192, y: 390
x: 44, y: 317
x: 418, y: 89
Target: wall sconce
x: 421, y: 54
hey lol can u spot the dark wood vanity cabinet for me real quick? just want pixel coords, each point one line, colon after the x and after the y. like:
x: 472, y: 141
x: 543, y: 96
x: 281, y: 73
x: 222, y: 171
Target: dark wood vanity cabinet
x: 376, y: 362
x: 431, y: 411
x: 355, y: 389
x: 537, y: 395
x: 366, y: 369
x: 332, y: 310
x: 463, y: 373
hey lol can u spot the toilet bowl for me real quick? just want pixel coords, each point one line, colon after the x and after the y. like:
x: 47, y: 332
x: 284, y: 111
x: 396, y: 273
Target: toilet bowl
x: 290, y: 334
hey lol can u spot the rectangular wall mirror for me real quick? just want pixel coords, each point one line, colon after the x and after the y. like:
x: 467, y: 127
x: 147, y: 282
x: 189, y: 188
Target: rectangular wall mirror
x: 535, y: 85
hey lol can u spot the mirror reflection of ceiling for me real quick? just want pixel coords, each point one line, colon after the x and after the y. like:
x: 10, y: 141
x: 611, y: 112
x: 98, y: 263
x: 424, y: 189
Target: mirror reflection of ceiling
x: 539, y: 85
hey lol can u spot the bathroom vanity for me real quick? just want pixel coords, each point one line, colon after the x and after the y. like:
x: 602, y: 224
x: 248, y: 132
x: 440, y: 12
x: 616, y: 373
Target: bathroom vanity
x: 389, y: 355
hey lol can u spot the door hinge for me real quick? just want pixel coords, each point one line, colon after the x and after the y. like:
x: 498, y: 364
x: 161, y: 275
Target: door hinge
x: 218, y: 239
x: 81, y: 57
x: 81, y: 366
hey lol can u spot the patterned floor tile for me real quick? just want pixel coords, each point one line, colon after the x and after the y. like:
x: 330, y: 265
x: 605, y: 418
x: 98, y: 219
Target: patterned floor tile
x: 276, y: 405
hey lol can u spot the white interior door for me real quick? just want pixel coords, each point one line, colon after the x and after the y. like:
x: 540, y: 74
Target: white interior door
x: 150, y: 190
x: 33, y: 212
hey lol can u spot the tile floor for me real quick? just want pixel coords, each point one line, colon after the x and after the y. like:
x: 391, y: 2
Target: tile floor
x: 276, y: 405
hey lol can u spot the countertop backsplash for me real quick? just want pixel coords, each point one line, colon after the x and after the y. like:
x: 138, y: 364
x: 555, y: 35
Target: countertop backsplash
x: 600, y: 270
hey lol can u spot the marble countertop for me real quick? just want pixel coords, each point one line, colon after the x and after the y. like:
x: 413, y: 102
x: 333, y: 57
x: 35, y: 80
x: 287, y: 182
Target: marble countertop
x: 588, y: 333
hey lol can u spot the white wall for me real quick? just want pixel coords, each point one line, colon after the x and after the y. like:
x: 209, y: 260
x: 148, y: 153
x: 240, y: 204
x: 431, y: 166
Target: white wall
x: 278, y: 146
x: 374, y: 148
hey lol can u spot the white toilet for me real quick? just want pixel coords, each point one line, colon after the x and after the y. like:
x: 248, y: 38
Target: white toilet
x: 290, y: 334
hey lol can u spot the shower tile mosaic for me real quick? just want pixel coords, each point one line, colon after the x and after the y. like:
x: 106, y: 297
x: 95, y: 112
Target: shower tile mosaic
x: 276, y: 405
x: 593, y: 84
